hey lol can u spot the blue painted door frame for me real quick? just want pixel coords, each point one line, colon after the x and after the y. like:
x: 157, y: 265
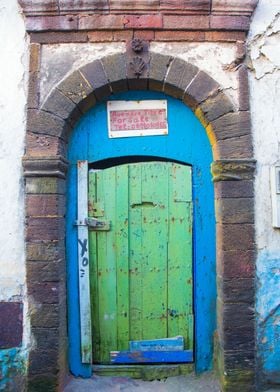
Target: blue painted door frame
x: 186, y: 142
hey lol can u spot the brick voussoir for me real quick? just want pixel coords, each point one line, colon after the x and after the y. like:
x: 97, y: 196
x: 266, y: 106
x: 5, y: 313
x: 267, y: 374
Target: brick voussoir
x: 95, y: 75
x: 159, y: 66
x: 216, y: 106
x: 115, y: 70
x: 41, y: 122
x: 59, y: 104
x: 179, y: 77
x: 75, y: 87
x: 200, y: 88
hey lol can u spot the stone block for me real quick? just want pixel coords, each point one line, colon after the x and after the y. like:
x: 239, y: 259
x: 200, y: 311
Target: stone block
x: 39, y: 121
x: 41, y: 361
x: 96, y: 77
x: 123, y: 35
x: 35, y: 6
x: 45, y: 229
x: 59, y: 37
x: 34, y: 57
x: 39, y: 185
x: 153, y: 21
x: 147, y: 35
x: 233, y: 169
x: 47, y: 251
x: 179, y: 35
x: 115, y: 69
x: 11, y: 327
x: 192, y: 6
x: 44, y: 166
x: 60, y: 105
x: 239, y: 360
x: 33, y: 97
x: 159, y: 65
x: 237, y: 290
x: 101, y: 22
x: 244, y: 95
x: 46, y: 338
x: 232, y: 189
x: 236, y: 7
x: 45, y: 382
x: 228, y: 22
x: 75, y: 87
x: 40, y: 271
x: 236, y: 263
x: 42, y: 145
x: 201, y: 88
x: 236, y: 210
x: 45, y: 205
x: 83, y: 5
x: 53, y: 23
x: 216, y: 106
x: 225, y: 36
x: 140, y: 5
x: 179, y: 77
x: 235, y: 236
x: 44, y: 292
x: 234, y: 148
x: 232, y: 125
x: 45, y: 315
x: 237, y: 326
x: 100, y: 36
x: 186, y: 22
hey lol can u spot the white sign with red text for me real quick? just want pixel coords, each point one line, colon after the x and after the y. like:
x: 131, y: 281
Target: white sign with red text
x: 137, y: 118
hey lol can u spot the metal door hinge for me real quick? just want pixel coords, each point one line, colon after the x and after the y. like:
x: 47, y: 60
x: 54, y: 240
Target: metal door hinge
x: 94, y: 224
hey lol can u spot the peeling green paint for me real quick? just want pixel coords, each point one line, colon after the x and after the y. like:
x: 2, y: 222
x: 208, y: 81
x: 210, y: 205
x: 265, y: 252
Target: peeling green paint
x: 13, y: 364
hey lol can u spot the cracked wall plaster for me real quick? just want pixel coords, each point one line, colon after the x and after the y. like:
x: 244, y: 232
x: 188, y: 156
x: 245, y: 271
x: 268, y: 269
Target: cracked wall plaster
x: 59, y: 60
x: 264, y: 63
x: 213, y: 58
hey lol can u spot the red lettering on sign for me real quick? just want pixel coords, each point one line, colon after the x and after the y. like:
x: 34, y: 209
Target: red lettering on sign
x: 125, y: 120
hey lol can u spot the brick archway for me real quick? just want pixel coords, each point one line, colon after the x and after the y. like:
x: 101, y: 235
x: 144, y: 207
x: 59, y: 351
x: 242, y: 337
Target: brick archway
x: 45, y: 167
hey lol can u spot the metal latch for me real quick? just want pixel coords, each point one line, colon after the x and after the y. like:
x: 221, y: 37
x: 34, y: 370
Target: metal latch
x: 94, y: 224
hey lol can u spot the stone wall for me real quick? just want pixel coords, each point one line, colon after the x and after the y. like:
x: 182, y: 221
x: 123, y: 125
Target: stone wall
x: 217, y: 34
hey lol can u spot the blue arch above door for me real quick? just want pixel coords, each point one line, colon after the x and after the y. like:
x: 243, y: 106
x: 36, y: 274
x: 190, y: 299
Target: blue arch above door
x: 186, y: 142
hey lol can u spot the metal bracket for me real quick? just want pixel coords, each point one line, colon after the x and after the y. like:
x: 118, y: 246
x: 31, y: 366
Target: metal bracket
x: 94, y: 224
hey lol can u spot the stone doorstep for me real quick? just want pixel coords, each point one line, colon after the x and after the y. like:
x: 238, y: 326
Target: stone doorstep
x: 190, y: 383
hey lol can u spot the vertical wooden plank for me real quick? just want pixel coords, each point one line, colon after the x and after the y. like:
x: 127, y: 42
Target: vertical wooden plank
x: 122, y: 256
x: 94, y: 270
x: 106, y: 246
x: 83, y: 260
x: 180, y: 257
x: 135, y: 252
x: 154, y: 249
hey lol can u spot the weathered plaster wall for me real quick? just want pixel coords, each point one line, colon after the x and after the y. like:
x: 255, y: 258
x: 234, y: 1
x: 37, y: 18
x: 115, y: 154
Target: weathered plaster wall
x: 62, y: 59
x: 13, y: 67
x: 264, y: 61
x: 213, y: 58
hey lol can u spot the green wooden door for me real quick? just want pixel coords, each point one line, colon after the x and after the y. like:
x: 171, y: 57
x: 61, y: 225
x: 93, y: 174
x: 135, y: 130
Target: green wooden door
x: 141, y: 269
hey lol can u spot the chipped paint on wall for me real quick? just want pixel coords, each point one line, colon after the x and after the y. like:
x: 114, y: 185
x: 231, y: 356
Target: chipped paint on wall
x: 199, y: 54
x: 12, y: 369
x: 268, y: 316
x: 264, y: 66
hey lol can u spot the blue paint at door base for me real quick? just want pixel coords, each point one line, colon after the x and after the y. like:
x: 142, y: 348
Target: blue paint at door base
x: 186, y: 142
